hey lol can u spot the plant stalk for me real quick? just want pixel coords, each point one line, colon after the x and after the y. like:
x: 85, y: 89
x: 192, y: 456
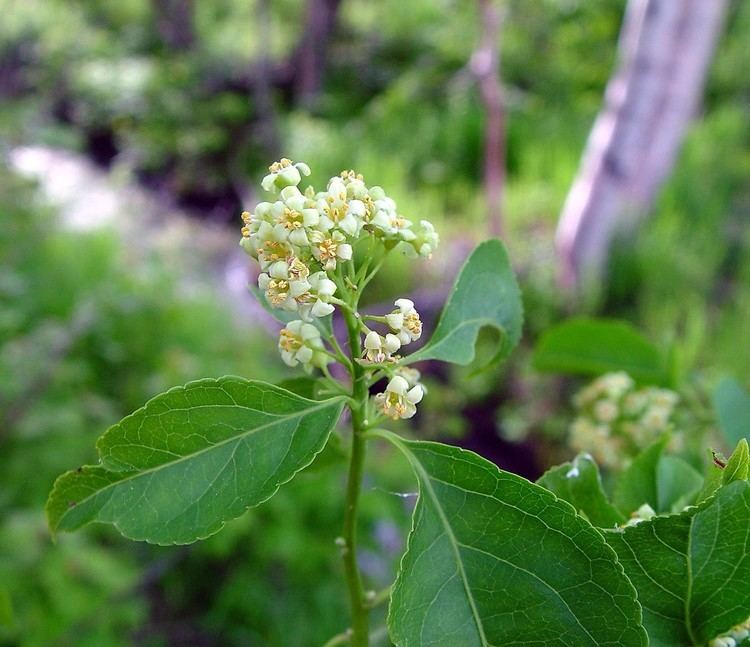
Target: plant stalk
x: 359, y: 610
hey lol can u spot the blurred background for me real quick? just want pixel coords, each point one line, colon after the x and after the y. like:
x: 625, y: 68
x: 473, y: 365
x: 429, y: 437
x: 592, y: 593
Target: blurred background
x: 606, y: 142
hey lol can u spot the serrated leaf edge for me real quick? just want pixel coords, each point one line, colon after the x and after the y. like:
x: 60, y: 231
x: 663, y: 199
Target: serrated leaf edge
x: 319, y: 404
x: 397, y: 441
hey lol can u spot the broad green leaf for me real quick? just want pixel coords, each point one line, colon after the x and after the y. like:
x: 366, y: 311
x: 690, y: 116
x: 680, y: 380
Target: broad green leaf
x: 579, y: 484
x: 738, y: 465
x: 691, y: 570
x: 594, y: 346
x: 639, y: 483
x: 711, y: 482
x: 493, y: 559
x: 732, y: 405
x: 485, y: 295
x: 305, y: 386
x: 677, y: 483
x: 193, y: 458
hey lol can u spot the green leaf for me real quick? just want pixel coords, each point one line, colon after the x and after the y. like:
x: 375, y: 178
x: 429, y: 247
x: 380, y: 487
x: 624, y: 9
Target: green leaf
x: 594, y: 346
x: 495, y: 560
x: 305, y: 386
x: 677, y: 483
x: 692, y: 570
x: 639, y: 484
x: 711, y: 482
x: 737, y: 468
x: 738, y: 465
x: 732, y: 405
x: 193, y: 458
x: 579, y: 484
x: 485, y: 295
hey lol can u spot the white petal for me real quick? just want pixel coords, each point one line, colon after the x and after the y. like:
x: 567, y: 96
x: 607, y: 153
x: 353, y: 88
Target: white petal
x: 321, y: 309
x: 349, y: 224
x: 299, y: 237
x: 309, y: 332
x: 415, y: 394
x: 303, y: 168
x: 404, y: 305
x: 298, y: 288
x: 279, y: 270
x: 392, y: 343
x: 268, y: 182
x: 294, y: 327
x: 398, y: 385
x: 263, y: 281
x: 372, y: 341
x: 395, y: 320
x: 410, y: 410
x: 326, y: 288
x: 292, y: 196
x: 357, y: 208
x: 344, y: 251
x: 310, y: 217
x: 304, y: 354
x: 288, y: 358
x: 289, y: 176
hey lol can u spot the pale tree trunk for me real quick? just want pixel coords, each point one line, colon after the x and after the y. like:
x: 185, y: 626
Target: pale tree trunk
x: 665, y: 49
x: 485, y: 65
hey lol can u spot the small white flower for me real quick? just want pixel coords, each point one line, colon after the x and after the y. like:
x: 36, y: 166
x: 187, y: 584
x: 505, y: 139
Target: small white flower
x: 606, y: 411
x: 300, y: 343
x: 427, y: 239
x: 284, y: 173
x: 315, y: 301
x: 405, y: 321
x: 327, y: 250
x: 379, y: 349
x: 398, y: 400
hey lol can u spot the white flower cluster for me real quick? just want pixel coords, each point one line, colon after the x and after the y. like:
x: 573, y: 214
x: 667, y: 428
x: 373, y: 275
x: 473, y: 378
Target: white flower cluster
x: 616, y: 420
x: 301, y: 236
x: 405, y: 327
x: 735, y: 636
x: 301, y: 239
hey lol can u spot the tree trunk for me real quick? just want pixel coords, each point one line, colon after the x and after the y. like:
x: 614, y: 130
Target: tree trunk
x: 309, y: 59
x: 485, y: 65
x: 665, y: 49
x: 174, y: 22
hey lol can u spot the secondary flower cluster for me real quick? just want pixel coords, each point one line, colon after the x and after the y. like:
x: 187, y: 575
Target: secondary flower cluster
x: 405, y: 326
x: 616, y: 420
x: 304, y: 243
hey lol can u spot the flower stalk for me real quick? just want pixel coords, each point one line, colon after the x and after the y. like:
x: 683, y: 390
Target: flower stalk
x: 304, y: 243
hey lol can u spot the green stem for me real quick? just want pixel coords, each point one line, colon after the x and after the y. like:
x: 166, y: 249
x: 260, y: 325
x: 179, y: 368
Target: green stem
x: 360, y: 395
x: 339, y: 639
x: 380, y: 598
